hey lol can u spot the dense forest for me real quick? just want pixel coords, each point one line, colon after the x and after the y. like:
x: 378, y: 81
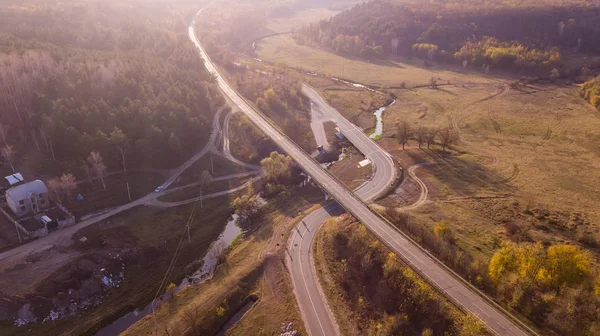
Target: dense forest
x: 100, y: 76
x: 500, y: 33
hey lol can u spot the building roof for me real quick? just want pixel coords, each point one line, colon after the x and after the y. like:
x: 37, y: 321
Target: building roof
x: 24, y: 191
x: 14, y: 178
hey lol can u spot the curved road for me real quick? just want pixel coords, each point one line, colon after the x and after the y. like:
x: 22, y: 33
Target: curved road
x: 447, y: 282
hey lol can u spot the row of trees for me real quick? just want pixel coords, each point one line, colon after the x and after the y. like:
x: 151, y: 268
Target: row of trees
x: 447, y: 136
x: 504, y: 33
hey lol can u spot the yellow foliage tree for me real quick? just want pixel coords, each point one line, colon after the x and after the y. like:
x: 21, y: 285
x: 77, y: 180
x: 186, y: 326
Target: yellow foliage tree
x: 442, y: 231
x: 566, y: 265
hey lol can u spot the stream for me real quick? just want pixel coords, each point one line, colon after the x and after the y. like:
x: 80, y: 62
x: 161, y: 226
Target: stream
x: 209, y: 264
x: 379, y: 124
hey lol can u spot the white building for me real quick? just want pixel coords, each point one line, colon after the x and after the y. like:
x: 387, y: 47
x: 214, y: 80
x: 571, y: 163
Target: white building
x: 28, y: 198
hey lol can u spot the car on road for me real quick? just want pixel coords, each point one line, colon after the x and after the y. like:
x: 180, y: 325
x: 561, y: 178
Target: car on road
x: 158, y: 189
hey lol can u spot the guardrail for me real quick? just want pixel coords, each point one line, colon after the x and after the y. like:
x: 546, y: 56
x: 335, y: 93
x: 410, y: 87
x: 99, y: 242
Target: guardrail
x: 341, y: 185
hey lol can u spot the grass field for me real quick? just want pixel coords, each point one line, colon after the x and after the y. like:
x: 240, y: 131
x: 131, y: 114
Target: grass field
x: 193, y: 191
x: 283, y: 50
x: 526, y: 168
x: 96, y: 198
x: 253, y: 268
x: 220, y: 167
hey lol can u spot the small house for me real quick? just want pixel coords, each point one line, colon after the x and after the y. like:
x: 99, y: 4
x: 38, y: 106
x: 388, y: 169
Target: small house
x: 28, y: 198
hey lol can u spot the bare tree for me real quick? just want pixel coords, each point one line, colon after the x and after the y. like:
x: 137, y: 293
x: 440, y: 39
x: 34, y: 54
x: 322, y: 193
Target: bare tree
x: 433, y: 82
x: 404, y: 133
x: 118, y: 138
x: 421, y: 135
x: 95, y: 159
x: 448, y: 137
x: 8, y: 153
x: 68, y: 184
x: 191, y: 317
x: 430, y: 135
x: 4, y: 133
x: 62, y: 187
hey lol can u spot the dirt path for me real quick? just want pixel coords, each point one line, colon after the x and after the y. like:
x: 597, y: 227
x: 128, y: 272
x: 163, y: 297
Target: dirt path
x: 33, y: 259
x: 466, y: 112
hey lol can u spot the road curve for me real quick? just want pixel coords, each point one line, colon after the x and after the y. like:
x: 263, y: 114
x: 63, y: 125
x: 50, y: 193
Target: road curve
x: 422, y: 262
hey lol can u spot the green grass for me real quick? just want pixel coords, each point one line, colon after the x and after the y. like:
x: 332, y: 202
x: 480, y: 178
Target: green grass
x: 193, y: 192
x: 221, y: 166
x: 96, y: 198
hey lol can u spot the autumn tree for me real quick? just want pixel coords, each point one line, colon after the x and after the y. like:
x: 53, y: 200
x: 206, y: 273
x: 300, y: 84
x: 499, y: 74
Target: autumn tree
x: 566, y: 265
x: 246, y: 206
x: 277, y: 168
x: 471, y: 326
x: 170, y: 290
x: 421, y: 135
x: 430, y: 136
x: 95, y: 159
x: 447, y: 137
x: 404, y: 132
x: 443, y: 231
x: 532, y: 266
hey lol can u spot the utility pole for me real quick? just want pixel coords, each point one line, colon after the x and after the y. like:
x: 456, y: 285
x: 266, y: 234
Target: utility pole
x: 212, y: 163
x: 18, y: 233
x: 188, y: 231
x: 128, y: 191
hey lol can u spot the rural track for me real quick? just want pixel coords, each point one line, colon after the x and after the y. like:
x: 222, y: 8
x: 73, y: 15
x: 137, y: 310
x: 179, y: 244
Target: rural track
x: 63, y: 237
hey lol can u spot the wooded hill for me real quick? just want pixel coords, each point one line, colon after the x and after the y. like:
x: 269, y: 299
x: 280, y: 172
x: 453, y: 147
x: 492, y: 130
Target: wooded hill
x: 101, y: 76
x: 500, y: 33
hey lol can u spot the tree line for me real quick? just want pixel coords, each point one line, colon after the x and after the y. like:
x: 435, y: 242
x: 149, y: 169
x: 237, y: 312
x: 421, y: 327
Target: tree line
x: 428, y: 136
x: 525, y: 35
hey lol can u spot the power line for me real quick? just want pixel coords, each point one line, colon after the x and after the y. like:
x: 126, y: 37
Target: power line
x: 175, y: 256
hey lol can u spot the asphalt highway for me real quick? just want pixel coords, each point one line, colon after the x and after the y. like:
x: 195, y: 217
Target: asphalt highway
x: 435, y: 273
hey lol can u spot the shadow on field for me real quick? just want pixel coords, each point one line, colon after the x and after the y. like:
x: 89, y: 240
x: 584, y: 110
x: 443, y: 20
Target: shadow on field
x: 464, y: 177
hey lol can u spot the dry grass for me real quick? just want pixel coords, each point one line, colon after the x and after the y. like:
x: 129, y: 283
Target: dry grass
x: 243, y: 273
x: 284, y: 50
x: 537, y: 145
x: 349, y: 172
